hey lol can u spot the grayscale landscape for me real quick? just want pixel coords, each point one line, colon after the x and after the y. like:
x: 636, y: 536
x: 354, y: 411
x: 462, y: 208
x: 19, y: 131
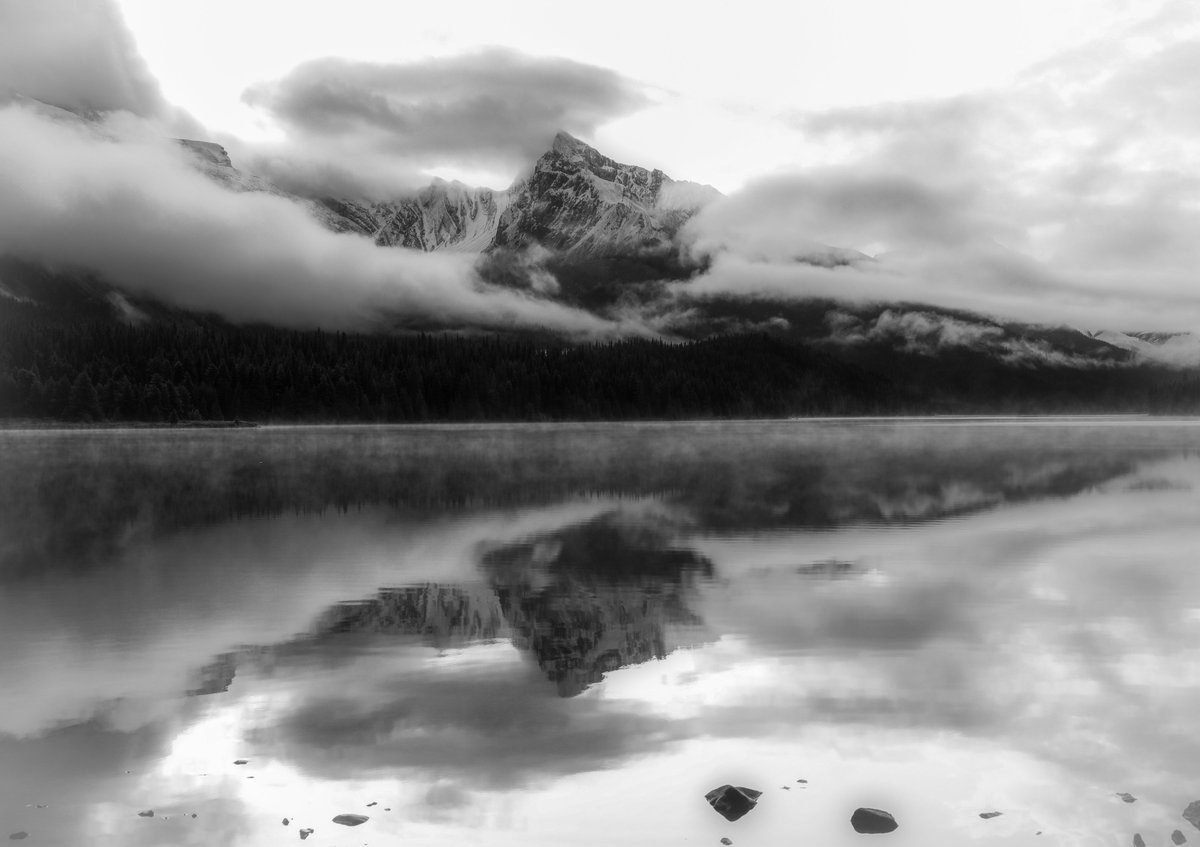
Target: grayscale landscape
x: 647, y: 424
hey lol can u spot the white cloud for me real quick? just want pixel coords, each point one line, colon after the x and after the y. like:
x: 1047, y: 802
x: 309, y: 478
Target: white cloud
x: 133, y: 210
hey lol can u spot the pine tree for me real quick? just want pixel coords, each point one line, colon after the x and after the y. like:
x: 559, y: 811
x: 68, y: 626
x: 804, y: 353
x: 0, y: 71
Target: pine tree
x: 83, y: 403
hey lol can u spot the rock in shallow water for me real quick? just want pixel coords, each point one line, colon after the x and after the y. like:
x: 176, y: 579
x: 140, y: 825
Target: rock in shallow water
x: 304, y: 833
x: 1192, y: 813
x: 873, y: 821
x: 149, y: 813
x: 351, y: 820
x: 1126, y: 796
x: 1138, y: 841
x: 18, y: 836
x: 986, y: 815
x: 731, y: 802
x: 1178, y: 837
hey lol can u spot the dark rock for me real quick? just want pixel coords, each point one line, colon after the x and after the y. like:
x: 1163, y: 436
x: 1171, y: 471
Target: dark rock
x: 802, y: 780
x: 18, y: 836
x: 732, y: 802
x: 726, y: 842
x: 351, y: 820
x: 149, y: 813
x: 193, y: 814
x: 986, y: 815
x: 241, y: 761
x: 304, y: 833
x: 873, y: 821
x: 1126, y: 796
x: 786, y: 787
x: 1178, y: 837
x: 1192, y: 813
x: 1138, y: 841
x: 372, y: 803
x: 286, y: 821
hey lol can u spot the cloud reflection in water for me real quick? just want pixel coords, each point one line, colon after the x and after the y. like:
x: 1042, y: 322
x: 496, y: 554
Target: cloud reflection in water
x: 1015, y: 635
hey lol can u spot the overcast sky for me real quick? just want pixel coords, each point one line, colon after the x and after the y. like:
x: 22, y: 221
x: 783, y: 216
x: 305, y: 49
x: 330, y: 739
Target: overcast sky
x: 1021, y: 158
x: 725, y: 83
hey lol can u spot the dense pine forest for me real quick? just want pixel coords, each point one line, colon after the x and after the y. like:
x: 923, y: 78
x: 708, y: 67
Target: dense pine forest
x: 98, y: 370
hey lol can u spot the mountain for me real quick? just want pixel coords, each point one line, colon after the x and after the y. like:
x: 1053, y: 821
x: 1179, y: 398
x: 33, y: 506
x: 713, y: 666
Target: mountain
x: 576, y: 202
x: 587, y: 231
x: 1170, y: 348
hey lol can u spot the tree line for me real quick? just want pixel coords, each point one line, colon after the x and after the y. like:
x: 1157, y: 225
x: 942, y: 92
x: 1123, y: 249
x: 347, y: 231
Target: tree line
x: 104, y: 371
x: 99, y: 370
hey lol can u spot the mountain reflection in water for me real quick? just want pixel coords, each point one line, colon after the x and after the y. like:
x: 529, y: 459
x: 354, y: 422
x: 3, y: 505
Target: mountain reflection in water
x: 569, y: 634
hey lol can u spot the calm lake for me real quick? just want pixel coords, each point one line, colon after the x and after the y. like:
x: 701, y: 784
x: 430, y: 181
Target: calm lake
x: 568, y: 634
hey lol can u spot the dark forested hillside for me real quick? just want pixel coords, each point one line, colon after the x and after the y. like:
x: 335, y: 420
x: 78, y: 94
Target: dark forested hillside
x: 93, y: 371
x: 166, y: 372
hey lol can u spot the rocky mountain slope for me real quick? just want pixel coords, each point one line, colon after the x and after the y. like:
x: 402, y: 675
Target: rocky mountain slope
x: 576, y: 201
x: 601, y: 235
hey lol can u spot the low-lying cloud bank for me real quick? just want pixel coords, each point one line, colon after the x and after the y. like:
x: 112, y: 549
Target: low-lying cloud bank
x: 131, y: 207
x: 1068, y: 196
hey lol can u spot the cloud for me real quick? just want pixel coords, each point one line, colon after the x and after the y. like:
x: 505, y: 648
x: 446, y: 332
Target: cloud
x: 353, y: 125
x: 488, y: 726
x: 793, y: 216
x: 133, y: 209
x: 78, y: 54
x: 1067, y: 196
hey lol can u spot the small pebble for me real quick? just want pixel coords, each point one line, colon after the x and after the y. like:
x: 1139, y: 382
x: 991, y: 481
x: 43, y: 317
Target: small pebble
x: 1178, y: 837
x: 1138, y: 841
x: 18, y: 836
x: 149, y: 813
x: 986, y: 815
x: 726, y: 842
x: 372, y: 803
x: 285, y: 821
x: 304, y: 833
x: 242, y: 761
x: 1126, y: 796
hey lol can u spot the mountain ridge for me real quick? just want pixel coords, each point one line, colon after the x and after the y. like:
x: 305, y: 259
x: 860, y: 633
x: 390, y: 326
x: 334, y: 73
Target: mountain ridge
x: 575, y: 201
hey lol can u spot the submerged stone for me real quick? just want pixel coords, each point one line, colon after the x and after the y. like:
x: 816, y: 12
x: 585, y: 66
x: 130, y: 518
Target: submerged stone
x: 286, y: 821
x: 1138, y: 841
x: 1192, y: 813
x: 351, y: 820
x: 732, y: 802
x: 18, y: 836
x: 1126, y: 796
x: 304, y: 833
x: 726, y: 842
x: 149, y: 813
x: 873, y: 821
x: 986, y: 815
x: 241, y: 761
x: 1178, y: 837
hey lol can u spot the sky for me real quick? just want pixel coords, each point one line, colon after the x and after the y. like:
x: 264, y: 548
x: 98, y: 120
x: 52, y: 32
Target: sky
x: 1021, y: 159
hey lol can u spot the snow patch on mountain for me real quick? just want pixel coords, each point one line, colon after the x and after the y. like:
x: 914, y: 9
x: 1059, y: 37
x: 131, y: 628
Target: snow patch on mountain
x: 575, y: 201
x: 1181, y: 349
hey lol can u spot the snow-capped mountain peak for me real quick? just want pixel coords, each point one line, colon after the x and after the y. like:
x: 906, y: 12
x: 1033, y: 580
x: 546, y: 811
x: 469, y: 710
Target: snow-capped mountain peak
x: 576, y: 200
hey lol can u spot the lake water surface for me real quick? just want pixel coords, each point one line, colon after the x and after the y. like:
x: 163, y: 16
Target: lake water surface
x: 567, y: 634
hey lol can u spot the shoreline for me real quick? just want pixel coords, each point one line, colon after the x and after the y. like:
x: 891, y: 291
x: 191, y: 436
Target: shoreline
x: 948, y: 420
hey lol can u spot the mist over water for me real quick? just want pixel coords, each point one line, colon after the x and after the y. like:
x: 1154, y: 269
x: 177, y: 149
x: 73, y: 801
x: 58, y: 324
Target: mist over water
x: 569, y: 633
